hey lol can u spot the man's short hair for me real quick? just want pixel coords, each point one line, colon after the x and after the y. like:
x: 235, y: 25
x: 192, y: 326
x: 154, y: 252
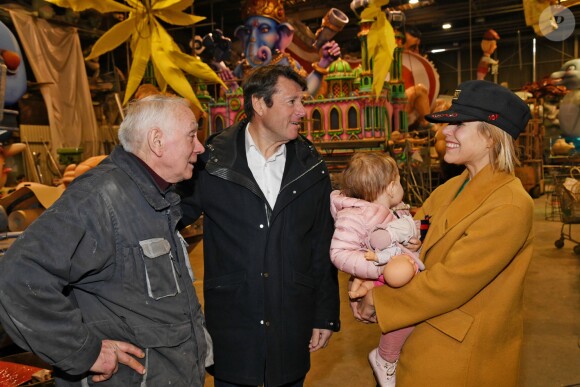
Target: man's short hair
x: 262, y: 83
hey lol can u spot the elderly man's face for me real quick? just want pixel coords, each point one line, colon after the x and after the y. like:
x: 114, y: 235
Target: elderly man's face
x: 181, y: 146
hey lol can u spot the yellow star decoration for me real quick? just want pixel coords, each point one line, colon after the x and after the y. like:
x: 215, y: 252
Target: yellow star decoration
x: 381, y: 43
x: 150, y: 41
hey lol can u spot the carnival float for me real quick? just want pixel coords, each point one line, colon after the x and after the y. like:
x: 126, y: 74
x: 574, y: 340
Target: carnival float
x: 372, y: 100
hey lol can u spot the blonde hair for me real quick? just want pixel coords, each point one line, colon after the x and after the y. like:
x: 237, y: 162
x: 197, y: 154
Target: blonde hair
x: 367, y: 175
x: 503, y: 154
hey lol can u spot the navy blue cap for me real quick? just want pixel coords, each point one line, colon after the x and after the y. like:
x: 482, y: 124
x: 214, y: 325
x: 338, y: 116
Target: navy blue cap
x: 488, y: 102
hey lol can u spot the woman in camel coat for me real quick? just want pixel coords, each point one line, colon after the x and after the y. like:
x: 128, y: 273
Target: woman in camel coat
x: 467, y: 305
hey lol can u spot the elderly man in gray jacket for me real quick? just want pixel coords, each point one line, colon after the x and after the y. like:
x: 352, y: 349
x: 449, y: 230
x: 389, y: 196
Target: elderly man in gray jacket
x: 100, y: 285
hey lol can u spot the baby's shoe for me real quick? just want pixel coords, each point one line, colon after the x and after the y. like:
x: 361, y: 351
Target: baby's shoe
x: 384, y: 370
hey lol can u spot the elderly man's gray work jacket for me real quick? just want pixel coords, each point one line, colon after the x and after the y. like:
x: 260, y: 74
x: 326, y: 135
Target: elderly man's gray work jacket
x: 106, y: 262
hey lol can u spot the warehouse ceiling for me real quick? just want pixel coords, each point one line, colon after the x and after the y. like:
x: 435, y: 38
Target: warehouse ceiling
x: 469, y: 19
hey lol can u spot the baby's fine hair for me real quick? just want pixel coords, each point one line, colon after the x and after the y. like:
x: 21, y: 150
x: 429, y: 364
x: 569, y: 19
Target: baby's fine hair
x: 367, y: 175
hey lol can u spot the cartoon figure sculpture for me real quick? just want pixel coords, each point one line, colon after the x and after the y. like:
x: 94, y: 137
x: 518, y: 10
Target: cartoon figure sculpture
x: 569, y: 76
x: 419, y: 100
x: 15, y: 87
x: 265, y: 35
x: 412, y: 40
x: 488, y: 46
x: 215, y: 49
x: 420, y: 77
x: 8, y: 151
x: 10, y: 55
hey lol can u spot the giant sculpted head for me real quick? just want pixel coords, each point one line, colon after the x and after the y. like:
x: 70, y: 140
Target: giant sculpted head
x: 265, y: 33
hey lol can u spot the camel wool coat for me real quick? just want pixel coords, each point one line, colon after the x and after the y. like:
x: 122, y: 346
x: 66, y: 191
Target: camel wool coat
x: 467, y: 304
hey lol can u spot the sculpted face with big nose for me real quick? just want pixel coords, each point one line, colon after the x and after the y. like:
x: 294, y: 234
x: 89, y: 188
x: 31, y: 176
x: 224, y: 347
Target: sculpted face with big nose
x: 263, y: 38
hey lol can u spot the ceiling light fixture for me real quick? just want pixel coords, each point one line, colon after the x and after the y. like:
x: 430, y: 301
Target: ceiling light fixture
x: 446, y: 26
x: 413, y: 1
x: 436, y: 50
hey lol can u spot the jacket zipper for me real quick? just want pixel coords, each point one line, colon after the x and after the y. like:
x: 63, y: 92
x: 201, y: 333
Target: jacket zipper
x: 303, y: 173
x: 268, y: 214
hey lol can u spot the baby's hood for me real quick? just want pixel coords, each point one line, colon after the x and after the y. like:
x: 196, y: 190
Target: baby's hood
x: 338, y: 202
x: 373, y: 213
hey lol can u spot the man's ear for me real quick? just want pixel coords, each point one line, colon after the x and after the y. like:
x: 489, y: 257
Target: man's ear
x: 258, y: 105
x: 155, y: 140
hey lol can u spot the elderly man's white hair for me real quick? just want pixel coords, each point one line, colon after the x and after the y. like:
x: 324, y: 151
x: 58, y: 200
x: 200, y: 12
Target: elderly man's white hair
x: 143, y: 114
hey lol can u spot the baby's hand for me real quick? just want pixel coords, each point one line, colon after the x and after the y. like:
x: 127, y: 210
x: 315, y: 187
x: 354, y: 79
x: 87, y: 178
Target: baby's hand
x: 413, y: 244
x: 359, y: 288
x: 371, y: 256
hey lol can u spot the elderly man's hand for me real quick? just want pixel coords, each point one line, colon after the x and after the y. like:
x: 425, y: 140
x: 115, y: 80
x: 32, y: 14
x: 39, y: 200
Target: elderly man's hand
x: 115, y: 352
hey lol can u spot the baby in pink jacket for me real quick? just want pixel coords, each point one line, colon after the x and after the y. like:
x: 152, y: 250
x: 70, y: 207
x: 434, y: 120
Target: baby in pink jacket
x: 372, y: 226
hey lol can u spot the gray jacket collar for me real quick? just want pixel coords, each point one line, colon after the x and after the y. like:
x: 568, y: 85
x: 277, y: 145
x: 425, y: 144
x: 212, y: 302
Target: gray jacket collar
x: 158, y: 199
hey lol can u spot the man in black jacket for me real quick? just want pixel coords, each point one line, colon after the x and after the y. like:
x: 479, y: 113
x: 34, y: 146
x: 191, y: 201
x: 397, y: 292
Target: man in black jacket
x: 99, y: 286
x: 271, y: 292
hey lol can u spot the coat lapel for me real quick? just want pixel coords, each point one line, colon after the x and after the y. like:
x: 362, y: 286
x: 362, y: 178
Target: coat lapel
x: 227, y: 158
x: 452, y: 210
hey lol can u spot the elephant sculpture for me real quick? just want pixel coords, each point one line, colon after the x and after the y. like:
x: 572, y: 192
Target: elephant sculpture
x: 265, y: 35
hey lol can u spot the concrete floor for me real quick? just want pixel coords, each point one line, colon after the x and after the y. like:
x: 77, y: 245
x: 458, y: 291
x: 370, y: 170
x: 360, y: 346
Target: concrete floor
x: 551, y: 350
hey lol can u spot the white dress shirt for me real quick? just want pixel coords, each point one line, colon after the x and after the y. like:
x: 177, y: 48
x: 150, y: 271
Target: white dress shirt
x: 268, y: 173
